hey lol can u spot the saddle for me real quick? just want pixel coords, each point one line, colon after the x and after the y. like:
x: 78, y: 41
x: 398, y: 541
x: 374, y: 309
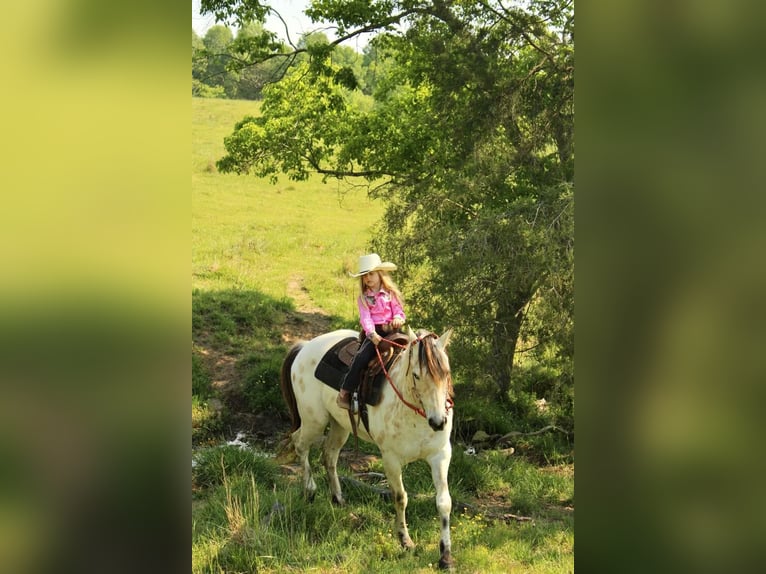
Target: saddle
x: 373, y: 377
x: 335, y: 363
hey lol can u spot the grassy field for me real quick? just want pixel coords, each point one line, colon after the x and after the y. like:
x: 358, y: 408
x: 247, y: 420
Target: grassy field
x: 269, y: 264
x: 250, y: 235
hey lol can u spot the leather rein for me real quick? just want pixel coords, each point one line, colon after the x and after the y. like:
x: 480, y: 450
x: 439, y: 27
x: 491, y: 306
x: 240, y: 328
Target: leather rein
x: 419, y: 410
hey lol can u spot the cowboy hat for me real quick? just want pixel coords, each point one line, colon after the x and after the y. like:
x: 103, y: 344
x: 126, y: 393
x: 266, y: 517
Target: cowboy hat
x: 372, y: 262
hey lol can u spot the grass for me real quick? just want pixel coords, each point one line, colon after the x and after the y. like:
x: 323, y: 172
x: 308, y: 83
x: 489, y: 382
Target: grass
x: 248, y: 235
x: 254, y: 518
x: 270, y: 259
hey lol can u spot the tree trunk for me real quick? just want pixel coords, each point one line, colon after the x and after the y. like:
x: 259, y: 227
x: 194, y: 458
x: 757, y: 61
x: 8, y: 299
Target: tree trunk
x: 504, y: 338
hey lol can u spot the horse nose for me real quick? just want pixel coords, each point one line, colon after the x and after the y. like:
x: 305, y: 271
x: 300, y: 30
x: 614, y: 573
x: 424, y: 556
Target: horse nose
x: 437, y: 425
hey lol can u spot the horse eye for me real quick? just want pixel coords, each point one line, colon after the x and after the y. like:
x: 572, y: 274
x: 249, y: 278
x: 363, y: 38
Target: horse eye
x: 417, y: 377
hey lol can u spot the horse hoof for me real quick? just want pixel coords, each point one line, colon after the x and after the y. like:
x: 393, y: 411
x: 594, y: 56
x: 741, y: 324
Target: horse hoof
x: 338, y: 501
x: 446, y: 563
x: 406, y: 542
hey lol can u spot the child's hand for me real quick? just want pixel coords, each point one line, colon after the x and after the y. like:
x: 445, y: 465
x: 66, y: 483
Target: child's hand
x: 397, y: 322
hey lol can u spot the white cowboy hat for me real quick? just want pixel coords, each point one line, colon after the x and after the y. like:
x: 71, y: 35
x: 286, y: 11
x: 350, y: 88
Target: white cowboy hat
x: 372, y: 262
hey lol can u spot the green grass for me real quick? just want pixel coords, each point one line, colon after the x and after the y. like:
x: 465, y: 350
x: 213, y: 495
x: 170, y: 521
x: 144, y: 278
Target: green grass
x: 252, y: 517
x: 249, y: 235
x: 266, y: 259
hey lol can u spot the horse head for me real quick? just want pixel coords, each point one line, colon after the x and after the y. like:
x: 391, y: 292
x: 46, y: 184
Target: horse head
x: 429, y: 374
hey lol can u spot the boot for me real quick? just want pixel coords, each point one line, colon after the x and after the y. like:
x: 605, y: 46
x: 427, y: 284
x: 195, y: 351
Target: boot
x: 343, y: 400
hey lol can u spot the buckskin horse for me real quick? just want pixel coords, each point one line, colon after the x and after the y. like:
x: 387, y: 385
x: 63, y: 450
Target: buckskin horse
x: 412, y: 420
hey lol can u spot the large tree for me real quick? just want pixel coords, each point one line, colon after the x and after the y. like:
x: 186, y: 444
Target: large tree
x: 471, y: 143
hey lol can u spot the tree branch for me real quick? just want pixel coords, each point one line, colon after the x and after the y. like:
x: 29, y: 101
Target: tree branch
x: 515, y: 26
x: 287, y: 30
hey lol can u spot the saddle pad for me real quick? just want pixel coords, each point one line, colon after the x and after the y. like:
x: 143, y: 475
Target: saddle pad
x: 332, y: 367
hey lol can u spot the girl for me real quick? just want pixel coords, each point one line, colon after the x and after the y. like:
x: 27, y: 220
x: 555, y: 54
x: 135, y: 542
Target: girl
x: 380, y: 313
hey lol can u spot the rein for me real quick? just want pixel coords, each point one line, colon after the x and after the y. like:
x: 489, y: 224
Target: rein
x: 419, y: 410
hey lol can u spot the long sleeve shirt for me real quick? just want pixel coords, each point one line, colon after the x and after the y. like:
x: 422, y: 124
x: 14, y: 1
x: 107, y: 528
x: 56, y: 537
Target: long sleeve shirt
x: 378, y: 309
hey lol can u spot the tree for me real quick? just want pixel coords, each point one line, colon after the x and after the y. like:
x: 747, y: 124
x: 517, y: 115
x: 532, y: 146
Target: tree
x: 254, y: 76
x: 199, y: 63
x: 217, y: 41
x: 471, y: 143
x: 199, y: 71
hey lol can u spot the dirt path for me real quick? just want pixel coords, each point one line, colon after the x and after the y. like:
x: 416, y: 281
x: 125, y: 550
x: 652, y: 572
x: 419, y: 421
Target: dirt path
x: 310, y: 320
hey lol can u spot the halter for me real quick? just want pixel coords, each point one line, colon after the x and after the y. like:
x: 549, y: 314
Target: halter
x: 418, y: 339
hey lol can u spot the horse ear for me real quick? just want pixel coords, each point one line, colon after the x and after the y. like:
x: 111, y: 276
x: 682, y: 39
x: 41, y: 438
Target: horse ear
x: 446, y: 337
x: 411, y: 334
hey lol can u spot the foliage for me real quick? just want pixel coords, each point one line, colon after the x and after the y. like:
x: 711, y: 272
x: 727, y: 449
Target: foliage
x: 324, y: 109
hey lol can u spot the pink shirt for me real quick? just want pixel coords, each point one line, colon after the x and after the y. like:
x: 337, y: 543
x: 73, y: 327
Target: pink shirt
x: 377, y: 309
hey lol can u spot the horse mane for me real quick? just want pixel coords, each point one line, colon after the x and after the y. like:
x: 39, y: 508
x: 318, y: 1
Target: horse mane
x: 433, y: 360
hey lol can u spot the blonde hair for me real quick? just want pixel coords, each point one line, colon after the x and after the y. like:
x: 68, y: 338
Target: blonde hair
x: 387, y: 283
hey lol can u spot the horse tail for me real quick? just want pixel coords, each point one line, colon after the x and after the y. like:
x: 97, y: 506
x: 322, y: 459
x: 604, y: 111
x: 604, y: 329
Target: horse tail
x: 287, y: 386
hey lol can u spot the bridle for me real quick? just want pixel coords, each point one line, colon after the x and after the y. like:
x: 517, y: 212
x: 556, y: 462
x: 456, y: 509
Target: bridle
x: 418, y: 339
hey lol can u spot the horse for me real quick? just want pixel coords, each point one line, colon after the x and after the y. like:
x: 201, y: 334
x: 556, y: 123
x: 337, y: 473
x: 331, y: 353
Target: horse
x: 412, y: 421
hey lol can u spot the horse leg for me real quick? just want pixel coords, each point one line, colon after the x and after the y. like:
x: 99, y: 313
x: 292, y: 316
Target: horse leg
x: 439, y: 468
x: 334, y: 441
x: 393, y: 469
x: 303, y: 438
